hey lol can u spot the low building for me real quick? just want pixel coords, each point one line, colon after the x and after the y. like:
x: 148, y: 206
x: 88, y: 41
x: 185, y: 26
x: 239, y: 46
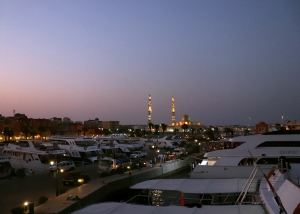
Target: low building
x: 261, y: 128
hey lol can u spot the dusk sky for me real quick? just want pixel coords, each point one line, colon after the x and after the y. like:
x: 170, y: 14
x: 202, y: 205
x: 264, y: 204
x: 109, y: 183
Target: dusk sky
x: 223, y: 61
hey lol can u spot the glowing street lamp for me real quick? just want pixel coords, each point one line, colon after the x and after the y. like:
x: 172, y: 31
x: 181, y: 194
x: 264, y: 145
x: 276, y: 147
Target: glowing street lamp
x: 29, y: 206
x: 57, y: 171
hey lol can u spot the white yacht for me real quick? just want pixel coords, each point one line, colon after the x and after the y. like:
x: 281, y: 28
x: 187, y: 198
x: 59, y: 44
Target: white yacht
x: 78, y: 148
x: 189, y: 196
x: 235, y: 158
x: 5, y: 166
x: 124, y: 145
x: 111, y: 150
x: 166, y: 142
x: 280, y: 191
x: 32, y: 155
x: 277, y: 192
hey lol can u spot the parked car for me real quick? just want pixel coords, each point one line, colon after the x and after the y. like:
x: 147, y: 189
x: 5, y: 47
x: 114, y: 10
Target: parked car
x: 75, y: 178
x: 65, y: 165
x: 135, y: 163
x: 180, y: 152
x: 138, y: 154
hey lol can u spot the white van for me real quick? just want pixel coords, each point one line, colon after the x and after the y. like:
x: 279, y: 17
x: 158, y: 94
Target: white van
x: 179, y: 151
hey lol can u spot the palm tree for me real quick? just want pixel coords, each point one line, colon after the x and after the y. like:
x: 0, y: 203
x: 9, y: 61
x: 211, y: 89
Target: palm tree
x: 193, y: 130
x: 143, y: 132
x: 227, y: 131
x: 156, y: 127
x: 53, y: 131
x: 41, y: 129
x: 78, y: 131
x: 137, y: 132
x: 184, y: 127
x: 246, y: 132
x: 7, y: 132
x: 150, y: 125
x: 84, y: 129
x: 33, y: 133
x: 199, y: 130
x: 164, y: 127
x: 11, y: 133
x: 175, y: 131
x: 210, y: 134
x: 106, y: 132
x: 25, y: 131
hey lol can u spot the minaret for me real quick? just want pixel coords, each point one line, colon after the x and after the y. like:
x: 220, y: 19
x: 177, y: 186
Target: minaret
x: 173, y: 110
x: 149, y: 109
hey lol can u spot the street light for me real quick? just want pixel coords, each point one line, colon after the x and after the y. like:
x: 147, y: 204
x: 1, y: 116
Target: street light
x: 57, y: 171
x: 29, y: 207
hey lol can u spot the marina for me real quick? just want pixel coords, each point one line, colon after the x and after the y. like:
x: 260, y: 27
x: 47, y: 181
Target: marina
x: 172, y: 107
x: 278, y: 192
x: 98, y: 189
x: 250, y: 188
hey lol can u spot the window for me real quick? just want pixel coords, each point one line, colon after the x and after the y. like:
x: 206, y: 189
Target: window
x: 279, y: 144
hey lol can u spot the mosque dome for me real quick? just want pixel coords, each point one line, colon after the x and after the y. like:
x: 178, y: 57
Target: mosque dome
x: 186, y: 118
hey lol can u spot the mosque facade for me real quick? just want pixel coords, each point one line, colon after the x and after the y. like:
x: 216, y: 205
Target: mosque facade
x: 184, y: 120
x: 174, y: 124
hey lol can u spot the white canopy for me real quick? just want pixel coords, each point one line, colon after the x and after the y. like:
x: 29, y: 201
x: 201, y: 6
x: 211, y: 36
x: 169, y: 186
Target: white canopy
x: 123, y: 208
x: 229, y: 161
x: 198, y: 186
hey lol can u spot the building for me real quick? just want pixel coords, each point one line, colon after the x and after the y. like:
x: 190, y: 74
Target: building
x: 93, y: 123
x: 184, y: 120
x: 112, y: 125
x: 261, y: 128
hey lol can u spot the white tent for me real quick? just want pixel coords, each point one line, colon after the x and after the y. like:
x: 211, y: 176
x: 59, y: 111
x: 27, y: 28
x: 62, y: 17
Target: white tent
x: 197, y: 186
x: 122, y: 208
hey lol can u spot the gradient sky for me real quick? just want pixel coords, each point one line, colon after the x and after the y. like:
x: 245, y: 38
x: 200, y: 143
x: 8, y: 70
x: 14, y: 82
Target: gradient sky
x: 223, y: 61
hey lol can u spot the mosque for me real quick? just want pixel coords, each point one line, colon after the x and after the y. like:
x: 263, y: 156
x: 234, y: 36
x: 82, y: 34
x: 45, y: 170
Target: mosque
x: 174, y: 125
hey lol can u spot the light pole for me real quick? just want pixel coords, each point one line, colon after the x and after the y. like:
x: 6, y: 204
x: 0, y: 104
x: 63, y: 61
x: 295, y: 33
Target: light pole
x: 29, y: 207
x: 56, y: 174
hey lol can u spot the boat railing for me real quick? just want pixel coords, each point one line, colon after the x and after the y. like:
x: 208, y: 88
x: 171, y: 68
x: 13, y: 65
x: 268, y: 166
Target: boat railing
x: 186, y: 199
x: 285, y: 167
x: 297, y: 177
x: 247, y: 185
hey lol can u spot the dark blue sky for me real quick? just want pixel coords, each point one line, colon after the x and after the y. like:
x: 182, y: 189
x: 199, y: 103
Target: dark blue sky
x: 222, y: 61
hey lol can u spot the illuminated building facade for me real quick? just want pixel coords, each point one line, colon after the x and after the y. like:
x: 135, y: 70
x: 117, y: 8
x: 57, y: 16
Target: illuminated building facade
x: 174, y: 125
x: 173, y: 110
x: 149, y: 110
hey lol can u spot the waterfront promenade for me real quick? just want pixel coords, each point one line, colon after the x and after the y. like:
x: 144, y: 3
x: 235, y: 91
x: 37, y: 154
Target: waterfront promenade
x: 98, y: 189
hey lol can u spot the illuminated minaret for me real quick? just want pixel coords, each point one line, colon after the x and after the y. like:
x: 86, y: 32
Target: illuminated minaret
x: 149, y: 109
x: 173, y: 110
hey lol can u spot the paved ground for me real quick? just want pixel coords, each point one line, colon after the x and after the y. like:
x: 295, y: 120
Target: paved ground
x: 15, y: 191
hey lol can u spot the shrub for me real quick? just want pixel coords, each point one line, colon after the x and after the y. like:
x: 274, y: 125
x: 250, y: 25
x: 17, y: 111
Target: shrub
x: 42, y: 199
x: 18, y: 210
